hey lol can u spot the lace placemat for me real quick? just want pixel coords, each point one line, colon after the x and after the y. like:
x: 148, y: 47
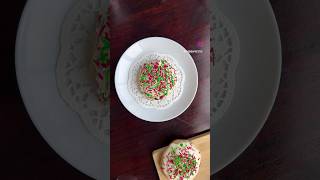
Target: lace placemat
x: 226, y: 51
x: 74, y: 70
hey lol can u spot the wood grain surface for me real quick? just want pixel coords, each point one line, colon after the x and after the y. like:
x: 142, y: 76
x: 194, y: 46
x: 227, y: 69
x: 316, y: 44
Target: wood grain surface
x: 133, y: 140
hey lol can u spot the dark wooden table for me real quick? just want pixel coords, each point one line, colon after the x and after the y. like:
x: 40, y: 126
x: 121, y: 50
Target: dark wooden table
x: 133, y: 140
x: 288, y: 147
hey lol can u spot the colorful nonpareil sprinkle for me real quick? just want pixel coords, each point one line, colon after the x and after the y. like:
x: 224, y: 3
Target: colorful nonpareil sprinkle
x: 101, y: 58
x: 181, y: 161
x: 157, y: 78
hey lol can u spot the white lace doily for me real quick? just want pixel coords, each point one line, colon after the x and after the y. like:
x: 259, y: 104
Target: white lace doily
x: 134, y: 88
x: 226, y: 50
x: 75, y: 72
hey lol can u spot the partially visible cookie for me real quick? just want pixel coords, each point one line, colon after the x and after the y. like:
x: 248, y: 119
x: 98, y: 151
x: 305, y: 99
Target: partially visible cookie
x: 181, y: 160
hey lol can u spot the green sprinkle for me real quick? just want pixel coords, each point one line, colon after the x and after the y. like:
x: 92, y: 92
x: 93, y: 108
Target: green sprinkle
x: 143, y: 78
x: 177, y: 160
x: 149, y: 68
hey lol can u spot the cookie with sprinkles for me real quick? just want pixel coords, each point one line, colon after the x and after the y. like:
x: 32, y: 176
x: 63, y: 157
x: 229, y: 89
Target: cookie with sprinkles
x: 181, y: 161
x: 157, y: 78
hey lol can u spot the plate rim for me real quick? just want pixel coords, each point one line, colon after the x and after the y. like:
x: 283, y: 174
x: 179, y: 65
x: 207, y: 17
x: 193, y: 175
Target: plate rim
x: 276, y: 84
x: 118, y: 70
x: 21, y: 30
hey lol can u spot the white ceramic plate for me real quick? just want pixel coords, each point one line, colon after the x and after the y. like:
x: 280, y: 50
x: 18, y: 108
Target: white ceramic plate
x: 37, y: 50
x: 256, y: 80
x: 182, y: 58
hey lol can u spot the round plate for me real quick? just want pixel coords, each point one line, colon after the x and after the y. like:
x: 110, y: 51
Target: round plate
x: 37, y: 50
x: 158, y: 45
x: 257, y: 78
